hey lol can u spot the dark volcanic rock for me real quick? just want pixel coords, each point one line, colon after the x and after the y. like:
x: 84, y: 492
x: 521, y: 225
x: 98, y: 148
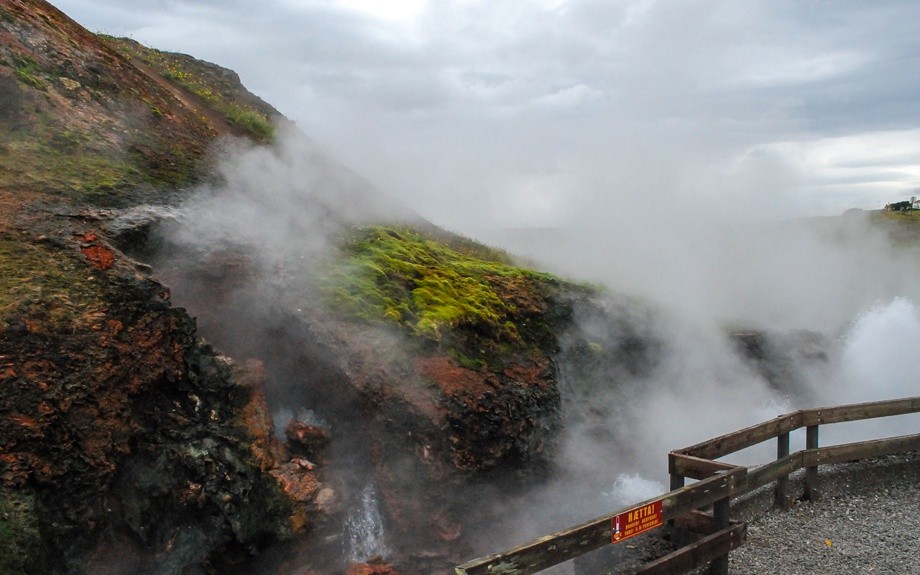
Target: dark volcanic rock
x: 781, y: 357
x: 132, y: 434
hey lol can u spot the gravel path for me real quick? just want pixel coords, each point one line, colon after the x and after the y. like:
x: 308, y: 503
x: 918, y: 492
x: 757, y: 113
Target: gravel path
x: 867, y: 521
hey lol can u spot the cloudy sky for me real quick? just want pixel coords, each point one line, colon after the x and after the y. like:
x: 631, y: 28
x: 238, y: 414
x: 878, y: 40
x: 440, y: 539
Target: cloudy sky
x: 544, y: 112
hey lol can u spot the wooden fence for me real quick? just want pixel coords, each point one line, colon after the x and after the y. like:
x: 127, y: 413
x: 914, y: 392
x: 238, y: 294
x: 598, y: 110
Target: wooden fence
x: 707, y: 537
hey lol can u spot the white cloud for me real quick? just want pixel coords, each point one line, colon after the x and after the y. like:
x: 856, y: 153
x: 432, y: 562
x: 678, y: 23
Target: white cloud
x: 871, y: 168
x: 400, y: 10
x: 448, y: 104
x: 771, y: 67
x: 571, y: 98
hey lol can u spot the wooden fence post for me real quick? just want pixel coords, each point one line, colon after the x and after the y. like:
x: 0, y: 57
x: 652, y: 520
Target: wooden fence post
x: 812, y: 491
x: 781, y: 495
x: 721, y: 512
x: 675, y: 533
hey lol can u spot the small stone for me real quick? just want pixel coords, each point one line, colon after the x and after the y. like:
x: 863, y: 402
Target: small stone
x: 69, y: 83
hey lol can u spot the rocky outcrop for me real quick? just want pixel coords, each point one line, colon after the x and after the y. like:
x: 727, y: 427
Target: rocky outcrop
x: 373, y: 568
x: 781, y: 357
x: 423, y: 416
x: 137, y: 442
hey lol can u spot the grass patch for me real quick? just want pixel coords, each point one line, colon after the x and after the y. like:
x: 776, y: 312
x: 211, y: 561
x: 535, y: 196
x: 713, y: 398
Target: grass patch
x: 59, y: 164
x: 253, y: 122
x: 402, y: 277
x: 46, y: 285
x: 903, y: 227
x: 26, y: 70
x: 901, y: 216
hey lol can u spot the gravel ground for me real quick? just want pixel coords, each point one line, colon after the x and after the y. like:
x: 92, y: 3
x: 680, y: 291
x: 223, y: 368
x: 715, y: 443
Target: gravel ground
x: 867, y: 521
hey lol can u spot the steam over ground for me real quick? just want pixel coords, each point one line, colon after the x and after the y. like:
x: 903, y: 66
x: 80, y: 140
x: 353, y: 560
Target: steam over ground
x: 694, y: 273
x: 710, y: 269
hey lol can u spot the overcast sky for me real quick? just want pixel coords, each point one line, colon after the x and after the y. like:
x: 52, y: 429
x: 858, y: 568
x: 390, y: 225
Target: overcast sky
x: 543, y: 112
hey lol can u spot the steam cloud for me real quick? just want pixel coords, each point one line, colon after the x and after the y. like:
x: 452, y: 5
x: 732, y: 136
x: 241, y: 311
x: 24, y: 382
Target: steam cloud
x: 698, y: 269
x: 706, y: 268
x: 285, y: 201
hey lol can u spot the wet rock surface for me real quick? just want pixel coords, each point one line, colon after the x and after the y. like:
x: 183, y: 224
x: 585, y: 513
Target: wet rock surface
x: 372, y: 568
x: 780, y: 357
x: 431, y: 433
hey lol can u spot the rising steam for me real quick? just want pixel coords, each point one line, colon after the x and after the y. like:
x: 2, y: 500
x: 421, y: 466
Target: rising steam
x: 693, y: 276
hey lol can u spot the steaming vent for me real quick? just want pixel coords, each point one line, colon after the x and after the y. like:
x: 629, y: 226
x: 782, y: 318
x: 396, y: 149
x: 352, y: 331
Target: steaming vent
x: 364, y: 534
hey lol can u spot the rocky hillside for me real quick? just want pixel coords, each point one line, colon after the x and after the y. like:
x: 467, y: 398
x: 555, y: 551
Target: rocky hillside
x: 103, y: 120
x: 126, y: 443
x: 337, y: 396
x: 129, y: 444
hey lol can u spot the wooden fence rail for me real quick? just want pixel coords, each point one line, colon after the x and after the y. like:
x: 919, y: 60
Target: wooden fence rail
x: 553, y: 549
x: 718, y: 483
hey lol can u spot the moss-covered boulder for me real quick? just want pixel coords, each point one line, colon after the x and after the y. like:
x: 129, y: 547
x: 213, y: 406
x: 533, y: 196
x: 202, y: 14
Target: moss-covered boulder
x: 472, y: 339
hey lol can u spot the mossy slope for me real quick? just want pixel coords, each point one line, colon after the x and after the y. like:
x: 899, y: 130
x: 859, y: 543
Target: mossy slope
x: 464, y: 298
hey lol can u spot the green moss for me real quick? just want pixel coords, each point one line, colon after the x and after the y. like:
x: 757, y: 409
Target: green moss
x: 403, y: 277
x: 26, y: 70
x: 21, y: 549
x: 45, y: 285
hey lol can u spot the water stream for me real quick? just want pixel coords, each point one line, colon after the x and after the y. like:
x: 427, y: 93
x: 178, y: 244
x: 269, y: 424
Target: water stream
x: 364, y: 534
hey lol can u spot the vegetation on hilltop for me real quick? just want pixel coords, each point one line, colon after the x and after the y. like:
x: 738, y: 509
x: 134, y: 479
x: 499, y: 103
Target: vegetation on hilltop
x: 467, y: 299
x: 903, y: 226
x: 107, y: 121
x: 220, y: 87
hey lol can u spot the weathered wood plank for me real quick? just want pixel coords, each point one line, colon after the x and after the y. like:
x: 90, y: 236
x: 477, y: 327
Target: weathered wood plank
x: 861, y: 450
x: 738, y: 440
x: 699, y: 522
x: 770, y: 472
x: 812, y: 489
x: 781, y: 491
x: 564, y: 545
x: 695, y: 467
x: 858, y: 411
x: 698, y: 553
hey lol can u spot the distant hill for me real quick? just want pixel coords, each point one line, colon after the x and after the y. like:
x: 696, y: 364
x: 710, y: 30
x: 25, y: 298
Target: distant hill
x: 100, y: 119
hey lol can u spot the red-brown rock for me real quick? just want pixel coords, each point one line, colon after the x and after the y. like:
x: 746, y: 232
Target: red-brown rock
x: 307, y: 440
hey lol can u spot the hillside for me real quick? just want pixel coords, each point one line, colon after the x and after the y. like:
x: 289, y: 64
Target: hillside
x: 129, y: 443
x: 109, y: 399
x: 101, y: 120
x: 223, y: 352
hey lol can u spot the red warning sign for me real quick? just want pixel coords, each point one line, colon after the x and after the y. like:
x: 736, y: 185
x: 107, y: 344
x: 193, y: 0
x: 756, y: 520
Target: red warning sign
x: 636, y: 521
